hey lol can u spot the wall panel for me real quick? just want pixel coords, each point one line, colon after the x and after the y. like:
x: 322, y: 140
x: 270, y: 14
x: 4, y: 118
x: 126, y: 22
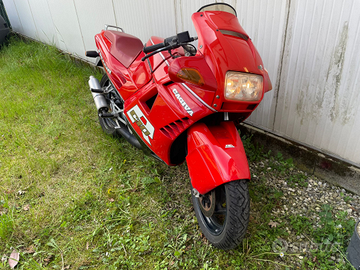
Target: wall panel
x: 318, y: 96
x: 13, y: 15
x: 265, y: 23
x: 144, y: 18
x: 67, y: 28
x: 92, y: 19
x: 45, y: 29
x: 26, y: 18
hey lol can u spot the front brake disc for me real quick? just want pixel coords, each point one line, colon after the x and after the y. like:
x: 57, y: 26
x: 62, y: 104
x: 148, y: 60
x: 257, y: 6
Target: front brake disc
x: 207, y: 203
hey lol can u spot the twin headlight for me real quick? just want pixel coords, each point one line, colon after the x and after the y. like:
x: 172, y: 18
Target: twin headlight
x: 243, y: 86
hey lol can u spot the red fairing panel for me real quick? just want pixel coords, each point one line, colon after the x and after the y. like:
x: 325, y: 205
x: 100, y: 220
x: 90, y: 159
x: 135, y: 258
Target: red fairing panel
x: 215, y: 156
x: 224, y: 51
x: 173, y: 111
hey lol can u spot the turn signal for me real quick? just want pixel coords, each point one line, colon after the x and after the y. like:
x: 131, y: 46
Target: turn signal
x: 191, y: 75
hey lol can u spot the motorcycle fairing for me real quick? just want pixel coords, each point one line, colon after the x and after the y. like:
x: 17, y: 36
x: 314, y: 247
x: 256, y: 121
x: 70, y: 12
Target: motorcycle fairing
x: 227, y: 47
x: 162, y: 63
x: 173, y: 111
x: 215, y: 156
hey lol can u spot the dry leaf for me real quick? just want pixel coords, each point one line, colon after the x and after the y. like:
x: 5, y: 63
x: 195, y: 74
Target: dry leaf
x: 26, y: 207
x: 30, y: 250
x: 111, y: 200
x: 49, y: 259
x: 14, y: 259
x: 253, y: 220
x: 57, y: 137
x: 273, y: 224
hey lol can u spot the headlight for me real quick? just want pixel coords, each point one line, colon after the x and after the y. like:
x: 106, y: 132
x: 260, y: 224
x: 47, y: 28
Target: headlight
x: 243, y: 86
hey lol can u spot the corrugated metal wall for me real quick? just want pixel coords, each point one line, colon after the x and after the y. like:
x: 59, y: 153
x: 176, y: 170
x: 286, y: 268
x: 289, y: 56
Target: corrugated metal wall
x: 318, y: 93
x: 310, y: 49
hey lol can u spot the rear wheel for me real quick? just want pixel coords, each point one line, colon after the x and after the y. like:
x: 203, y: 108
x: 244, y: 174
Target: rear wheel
x: 223, y: 214
x: 108, y: 124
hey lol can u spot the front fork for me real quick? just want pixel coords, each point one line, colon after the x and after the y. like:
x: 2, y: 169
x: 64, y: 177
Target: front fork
x: 216, y: 156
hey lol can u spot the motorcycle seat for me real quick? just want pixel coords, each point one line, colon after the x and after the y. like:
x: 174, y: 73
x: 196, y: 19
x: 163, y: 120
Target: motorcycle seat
x: 125, y: 48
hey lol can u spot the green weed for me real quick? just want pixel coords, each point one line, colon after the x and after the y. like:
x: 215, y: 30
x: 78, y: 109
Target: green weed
x: 253, y: 152
x: 334, y: 228
x: 6, y: 220
x: 6, y: 226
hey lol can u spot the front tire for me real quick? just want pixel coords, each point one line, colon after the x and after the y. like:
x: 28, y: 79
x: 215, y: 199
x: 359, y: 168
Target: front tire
x: 223, y: 214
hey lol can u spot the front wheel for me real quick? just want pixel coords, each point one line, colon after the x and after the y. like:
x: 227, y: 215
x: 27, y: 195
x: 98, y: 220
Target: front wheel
x: 223, y: 213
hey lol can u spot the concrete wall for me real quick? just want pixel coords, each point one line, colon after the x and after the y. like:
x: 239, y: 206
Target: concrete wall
x: 310, y: 49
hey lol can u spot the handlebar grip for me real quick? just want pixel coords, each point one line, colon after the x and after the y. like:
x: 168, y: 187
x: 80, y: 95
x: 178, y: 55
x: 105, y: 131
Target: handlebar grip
x: 153, y: 47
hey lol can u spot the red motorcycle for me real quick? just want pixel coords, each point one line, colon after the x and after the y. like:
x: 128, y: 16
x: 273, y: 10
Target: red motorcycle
x: 177, y: 102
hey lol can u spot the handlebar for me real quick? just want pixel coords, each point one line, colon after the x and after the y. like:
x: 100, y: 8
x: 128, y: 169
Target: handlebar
x: 168, y: 44
x: 157, y: 51
x: 153, y: 47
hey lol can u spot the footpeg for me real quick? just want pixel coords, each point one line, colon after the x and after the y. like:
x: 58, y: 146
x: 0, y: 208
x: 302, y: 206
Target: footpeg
x: 99, y: 91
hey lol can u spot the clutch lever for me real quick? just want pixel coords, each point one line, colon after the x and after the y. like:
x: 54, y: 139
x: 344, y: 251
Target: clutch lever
x: 157, y: 51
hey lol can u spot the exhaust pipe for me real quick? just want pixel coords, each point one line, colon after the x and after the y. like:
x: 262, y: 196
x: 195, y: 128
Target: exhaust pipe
x: 124, y: 132
x: 100, y: 103
x: 99, y: 99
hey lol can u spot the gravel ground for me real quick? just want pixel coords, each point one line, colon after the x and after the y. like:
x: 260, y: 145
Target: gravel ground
x: 304, y: 199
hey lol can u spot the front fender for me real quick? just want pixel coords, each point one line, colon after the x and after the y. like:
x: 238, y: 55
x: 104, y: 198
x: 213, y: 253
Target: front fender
x: 216, y: 156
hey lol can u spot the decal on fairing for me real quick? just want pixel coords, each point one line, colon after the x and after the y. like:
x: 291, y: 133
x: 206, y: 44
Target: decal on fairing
x: 137, y: 116
x: 182, y: 102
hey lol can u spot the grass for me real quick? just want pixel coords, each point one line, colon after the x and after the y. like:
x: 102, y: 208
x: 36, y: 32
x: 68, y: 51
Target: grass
x: 73, y: 198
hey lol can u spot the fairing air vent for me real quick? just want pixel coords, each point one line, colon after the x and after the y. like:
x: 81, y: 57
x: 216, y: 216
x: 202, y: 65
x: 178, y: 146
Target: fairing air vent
x: 150, y: 101
x: 174, y: 129
x: 234, y: 34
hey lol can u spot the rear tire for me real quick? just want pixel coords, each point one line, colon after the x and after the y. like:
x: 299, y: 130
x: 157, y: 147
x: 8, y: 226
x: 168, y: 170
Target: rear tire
x: 107, y: 124
x: 224, y: 224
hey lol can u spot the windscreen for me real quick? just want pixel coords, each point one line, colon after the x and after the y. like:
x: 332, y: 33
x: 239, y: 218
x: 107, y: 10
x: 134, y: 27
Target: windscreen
x: 218, y: 7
